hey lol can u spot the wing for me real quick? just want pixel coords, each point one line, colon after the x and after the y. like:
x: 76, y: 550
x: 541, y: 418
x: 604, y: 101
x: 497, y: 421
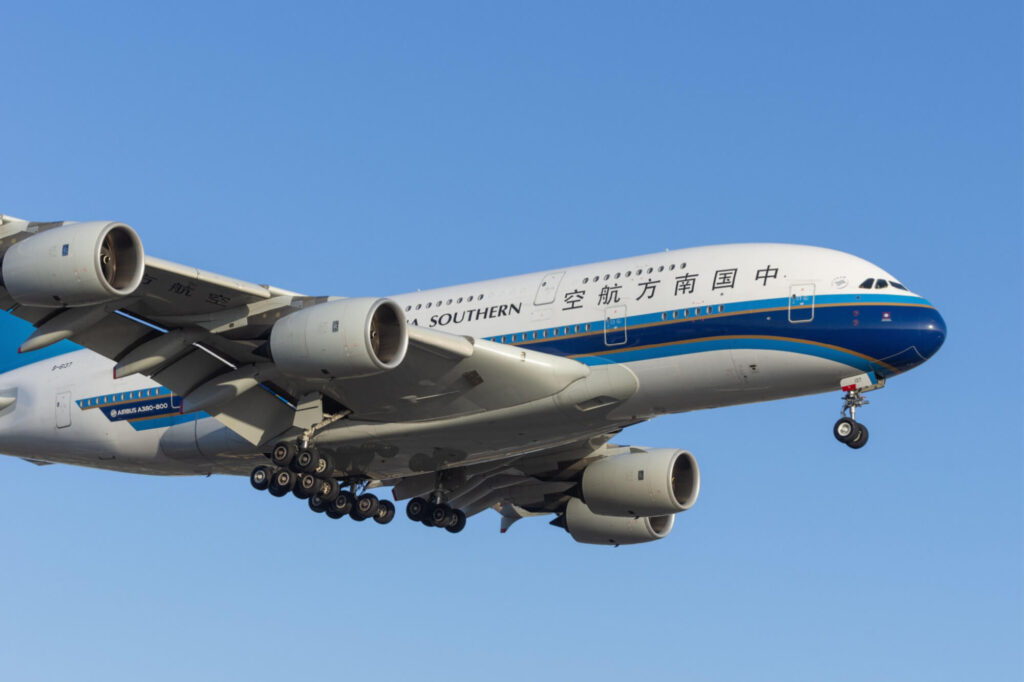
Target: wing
x: 206, y: 337
x: 528, y: 485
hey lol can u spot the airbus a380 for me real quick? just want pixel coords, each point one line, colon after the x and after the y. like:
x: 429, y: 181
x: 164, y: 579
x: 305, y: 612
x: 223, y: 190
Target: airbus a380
x: 500, y: 394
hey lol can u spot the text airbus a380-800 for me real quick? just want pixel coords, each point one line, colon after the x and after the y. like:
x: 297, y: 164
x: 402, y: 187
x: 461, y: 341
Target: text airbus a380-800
x: 500, y: 394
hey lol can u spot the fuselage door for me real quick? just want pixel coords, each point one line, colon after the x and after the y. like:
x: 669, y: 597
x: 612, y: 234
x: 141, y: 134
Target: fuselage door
x: 63, y: 409
x: 801, y: 303
x: 548, y: 288
x: 615, y: 325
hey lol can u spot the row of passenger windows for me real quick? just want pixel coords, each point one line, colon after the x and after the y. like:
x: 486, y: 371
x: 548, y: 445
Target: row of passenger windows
x: 872, y: 283
x: 630, y: 273
x: 121, y: 397
x: 597, y: 278
x: 577, y: 328
x: 695, y: 312
x: 543, y: 333
x: 432, y: 304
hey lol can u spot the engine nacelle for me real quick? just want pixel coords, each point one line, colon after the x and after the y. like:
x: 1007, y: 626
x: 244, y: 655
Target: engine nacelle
x: 346, y: 338
x: 642, y: 482
x: 594, y: 529
x: 78, y: 264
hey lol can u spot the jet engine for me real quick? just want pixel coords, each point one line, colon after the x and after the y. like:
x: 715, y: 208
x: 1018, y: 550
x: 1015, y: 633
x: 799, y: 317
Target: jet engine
x: 78, y: 264
x: 345, y: 338
x: 594, y: 529
x: 642, y: 482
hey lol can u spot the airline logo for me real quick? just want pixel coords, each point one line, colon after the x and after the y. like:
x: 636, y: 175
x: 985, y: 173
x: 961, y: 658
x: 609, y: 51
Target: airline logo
x: 146, y: 409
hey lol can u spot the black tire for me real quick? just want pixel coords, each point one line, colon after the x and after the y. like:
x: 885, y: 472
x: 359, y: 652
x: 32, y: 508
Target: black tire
x: 860, y: 439
x: 306, y: 486
x: 318, y: 504
x: 324, y: 467
x: 385, y: 512
x: 304, y: 462
x: 428, y: 513
x: 281, y: 482
x: 366, y: 506
x: 845, y: 430
x: 441, y: 515
x: 260, y: 478
x: 333, y: 513
x: 329, y: 490
x: 282, y: 455
x: 343, y: 503
x: 416, y: 509
x: 458, y: 522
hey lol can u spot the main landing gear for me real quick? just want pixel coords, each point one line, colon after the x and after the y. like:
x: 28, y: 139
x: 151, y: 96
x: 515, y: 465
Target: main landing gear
x: 848, y: 430
x: 436, y: 514
x: 310, y: 476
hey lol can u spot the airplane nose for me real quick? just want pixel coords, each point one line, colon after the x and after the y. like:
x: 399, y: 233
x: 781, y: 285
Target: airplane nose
x: 932, y: 333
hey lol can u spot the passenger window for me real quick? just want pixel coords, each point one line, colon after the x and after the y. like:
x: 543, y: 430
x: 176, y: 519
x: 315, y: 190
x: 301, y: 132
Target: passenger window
x: 868, y: 283
x: 881, y: 284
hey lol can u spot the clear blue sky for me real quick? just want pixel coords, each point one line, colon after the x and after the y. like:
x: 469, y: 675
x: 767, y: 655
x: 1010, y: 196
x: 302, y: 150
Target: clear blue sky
x: 369, y: 149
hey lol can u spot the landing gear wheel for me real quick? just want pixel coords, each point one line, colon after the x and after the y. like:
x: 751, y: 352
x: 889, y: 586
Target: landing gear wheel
x: 306, y: 486
x: 342, y: 505
x: 845, y: 430
x: 416, y: 509
x: 318, y: 504
x: 282, y: 455
x: 457, y: 523
x: 281, y: 482
x: 260, y: 478
x: 860, y: 439
x: 385, y: 512
x: 441, y: 516
x: 366, y: 506
x: 304, y: 462
x: 323, y: 468
x: 329, y: 490
x: 428, y: 515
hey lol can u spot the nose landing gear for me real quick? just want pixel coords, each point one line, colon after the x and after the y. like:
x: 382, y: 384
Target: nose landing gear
x: 848, y: 430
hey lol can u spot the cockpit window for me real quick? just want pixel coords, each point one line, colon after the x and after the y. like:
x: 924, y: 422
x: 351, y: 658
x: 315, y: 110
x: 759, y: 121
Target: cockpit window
x: 881, y: 284
x: 868, y: 283
x: 897, y: 285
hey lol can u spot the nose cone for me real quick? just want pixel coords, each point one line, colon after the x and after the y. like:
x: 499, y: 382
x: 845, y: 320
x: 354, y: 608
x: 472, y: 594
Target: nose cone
x: 932, y: 331
x: 916, y: 336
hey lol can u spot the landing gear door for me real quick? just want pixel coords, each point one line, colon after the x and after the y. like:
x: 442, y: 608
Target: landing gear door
x: 615, y: 325
x: 548, y: 288
x: 801, y: 303
x: 63, y: 409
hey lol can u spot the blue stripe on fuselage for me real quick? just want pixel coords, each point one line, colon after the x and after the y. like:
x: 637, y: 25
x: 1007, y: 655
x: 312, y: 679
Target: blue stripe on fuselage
x: 854, y: 329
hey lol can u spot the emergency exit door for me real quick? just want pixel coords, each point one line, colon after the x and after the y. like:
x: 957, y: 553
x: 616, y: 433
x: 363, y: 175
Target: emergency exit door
x: 615, y: 325
x: 63, y: 409
x: 801, y: 303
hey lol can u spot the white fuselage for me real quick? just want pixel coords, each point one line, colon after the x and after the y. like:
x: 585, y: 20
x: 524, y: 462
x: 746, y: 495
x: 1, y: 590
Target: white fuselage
x: 698, y: 328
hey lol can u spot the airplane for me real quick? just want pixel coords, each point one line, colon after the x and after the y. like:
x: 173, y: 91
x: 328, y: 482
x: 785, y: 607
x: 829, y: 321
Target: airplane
x: 504, y: 394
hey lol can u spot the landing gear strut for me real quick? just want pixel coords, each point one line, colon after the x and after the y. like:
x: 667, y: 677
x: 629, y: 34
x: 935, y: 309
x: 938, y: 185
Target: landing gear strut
x: 848, y: 430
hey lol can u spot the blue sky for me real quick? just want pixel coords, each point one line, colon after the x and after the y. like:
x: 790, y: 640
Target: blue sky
x: 369, y: 149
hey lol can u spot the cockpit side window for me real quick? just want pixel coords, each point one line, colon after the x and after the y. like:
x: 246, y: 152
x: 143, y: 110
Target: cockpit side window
x: 897, y: 285
x: 868, y: 283
x: 881, y: 284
